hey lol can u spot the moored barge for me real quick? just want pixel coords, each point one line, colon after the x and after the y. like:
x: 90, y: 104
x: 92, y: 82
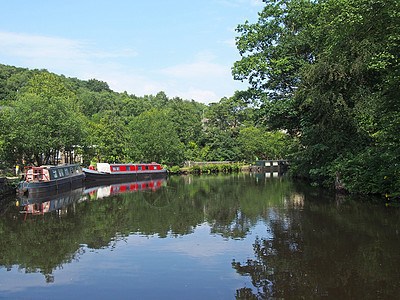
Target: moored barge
x: 45, y: 179
x: 124, y: 172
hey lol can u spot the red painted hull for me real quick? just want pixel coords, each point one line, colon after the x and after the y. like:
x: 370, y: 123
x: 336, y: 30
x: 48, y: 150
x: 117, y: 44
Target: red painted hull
x: 123, y: 176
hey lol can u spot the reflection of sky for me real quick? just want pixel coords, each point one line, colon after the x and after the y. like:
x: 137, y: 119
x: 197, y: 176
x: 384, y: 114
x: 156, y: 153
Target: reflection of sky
x: 201, y: 245
x: 195, y: 266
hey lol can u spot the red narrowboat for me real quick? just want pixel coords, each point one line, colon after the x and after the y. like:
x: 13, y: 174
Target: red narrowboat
x: 124, y: 172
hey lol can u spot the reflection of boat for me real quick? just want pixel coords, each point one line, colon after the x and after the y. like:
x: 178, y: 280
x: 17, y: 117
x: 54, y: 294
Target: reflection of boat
x: 124, y: 172
x: 47, y: 202
x: 38, y: 204
x: 102, y: 191
x: 46, y: 179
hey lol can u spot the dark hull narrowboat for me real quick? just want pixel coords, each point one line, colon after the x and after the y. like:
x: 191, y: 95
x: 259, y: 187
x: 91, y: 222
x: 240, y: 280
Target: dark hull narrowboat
x: 46, y: 179
x: 124, y: 172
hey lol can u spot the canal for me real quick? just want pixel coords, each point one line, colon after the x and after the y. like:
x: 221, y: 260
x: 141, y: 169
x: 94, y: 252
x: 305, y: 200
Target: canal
x: 199, y: 237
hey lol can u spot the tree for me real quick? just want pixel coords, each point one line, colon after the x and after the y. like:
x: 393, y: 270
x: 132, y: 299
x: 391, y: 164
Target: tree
x: 228, y: 114
x: 8, y: 155
x: 98, y: 86
x: 328, y: 71
x: 186, y: 117
x: 110, y: 138
x: 256, y: 142
x: 46, y: 120
x: 44, y: 126
x: 48, y: 85
x: 152, y: 137
x: 221, y: 146
x: 251, y: 142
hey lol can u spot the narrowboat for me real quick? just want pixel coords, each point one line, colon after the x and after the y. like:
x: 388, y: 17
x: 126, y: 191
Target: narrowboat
x: 124, y: 172
x: 45, y: 179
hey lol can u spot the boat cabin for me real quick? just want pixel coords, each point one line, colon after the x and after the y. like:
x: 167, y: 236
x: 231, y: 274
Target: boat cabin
x: 48, y: 173
x: 127, y: 168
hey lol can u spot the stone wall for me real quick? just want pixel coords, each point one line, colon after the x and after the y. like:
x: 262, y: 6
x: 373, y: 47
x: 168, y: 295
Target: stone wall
x: 203, y: 163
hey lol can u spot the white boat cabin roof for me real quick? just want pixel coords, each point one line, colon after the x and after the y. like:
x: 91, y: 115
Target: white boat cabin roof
x: 106, y: 167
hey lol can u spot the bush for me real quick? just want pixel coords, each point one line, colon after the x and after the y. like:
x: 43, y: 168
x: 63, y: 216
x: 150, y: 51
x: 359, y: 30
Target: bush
x: 236, y: 168
x: 213, y: 168
x: 195, y: 169
x: 174, y: 170
x: 225, y: 168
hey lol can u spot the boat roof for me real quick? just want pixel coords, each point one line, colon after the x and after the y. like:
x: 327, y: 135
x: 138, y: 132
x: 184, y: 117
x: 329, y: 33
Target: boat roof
x: 132, y: 164
x: 55, y: 166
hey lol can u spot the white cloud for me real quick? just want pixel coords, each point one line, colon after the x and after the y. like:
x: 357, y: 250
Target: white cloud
x: 238, y: 3
x: 54, y: 52
x: 131, y: 82
x: 230, y: 43
x: 201, y: 79
x: 202, y: 67
x: 196, y: 70
x: 252, y: 2
x: 207, y: 96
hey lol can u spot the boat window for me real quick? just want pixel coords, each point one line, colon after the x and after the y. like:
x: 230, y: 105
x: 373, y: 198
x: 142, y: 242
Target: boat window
x: 66, y: 171
x: 55, y: 174
x: 147, y: 167
x: 61, y: 172
x: 139, y: 168
x: 155, y: 167
x: 115, y: 168
x: 128, y: 168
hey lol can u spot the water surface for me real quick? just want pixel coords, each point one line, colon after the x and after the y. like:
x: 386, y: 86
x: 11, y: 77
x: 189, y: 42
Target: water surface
x: 213, y: 237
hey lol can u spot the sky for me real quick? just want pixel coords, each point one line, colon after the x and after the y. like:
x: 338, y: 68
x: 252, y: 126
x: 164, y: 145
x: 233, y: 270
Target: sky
x: 185, y: 48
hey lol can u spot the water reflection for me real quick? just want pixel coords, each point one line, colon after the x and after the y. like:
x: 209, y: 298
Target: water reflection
x: 340, y: 250
x: 99, y: 192
x: 48, y: 202
x: 263, y: 237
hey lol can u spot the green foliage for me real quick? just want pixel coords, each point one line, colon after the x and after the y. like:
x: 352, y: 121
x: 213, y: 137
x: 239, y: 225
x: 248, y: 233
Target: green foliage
x: 45, y: 126
x: 256, y: 142
x: 195, y: 169
x: 225, y: 168
x: 153, y: 137
x: 174, y: 170
x: 110, y: 138
x: 7, y: 136
x: 48, y: 85
x: 115, y: 127
x: 210, y: 168
x: 328, y: 72
x: 236, y: 168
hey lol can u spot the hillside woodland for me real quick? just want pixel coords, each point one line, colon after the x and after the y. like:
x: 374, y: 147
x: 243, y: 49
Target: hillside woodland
x: 324, y: 78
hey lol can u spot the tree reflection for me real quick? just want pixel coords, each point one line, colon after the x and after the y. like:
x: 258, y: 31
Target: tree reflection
x: 324, y: 251
x: 231, y: 205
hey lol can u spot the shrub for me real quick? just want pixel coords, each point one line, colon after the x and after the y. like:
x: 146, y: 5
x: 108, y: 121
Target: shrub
x: 213, y: 168
x: 236, y: 168
x: 225, y: 168
x: 195, y: 169
x: 174, y: 170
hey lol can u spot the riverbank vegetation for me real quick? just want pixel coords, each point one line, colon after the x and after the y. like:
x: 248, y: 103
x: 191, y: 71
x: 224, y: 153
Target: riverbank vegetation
x: 328, y: 72
x: 43, y: 114
x: 324, y: 91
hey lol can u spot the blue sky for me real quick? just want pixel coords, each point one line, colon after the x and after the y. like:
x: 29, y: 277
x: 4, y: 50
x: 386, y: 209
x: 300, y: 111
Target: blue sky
x: 185, y: 48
